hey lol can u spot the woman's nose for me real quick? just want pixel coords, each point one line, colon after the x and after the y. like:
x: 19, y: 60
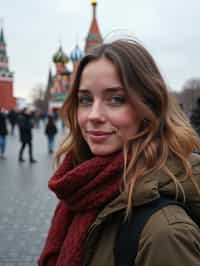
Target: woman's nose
x: 97, y: 112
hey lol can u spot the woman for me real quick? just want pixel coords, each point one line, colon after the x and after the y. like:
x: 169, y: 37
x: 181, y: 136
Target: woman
x: 128, y: 144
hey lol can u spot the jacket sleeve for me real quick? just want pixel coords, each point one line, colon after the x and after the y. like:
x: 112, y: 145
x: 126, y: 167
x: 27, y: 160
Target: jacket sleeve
x: 176, y: 245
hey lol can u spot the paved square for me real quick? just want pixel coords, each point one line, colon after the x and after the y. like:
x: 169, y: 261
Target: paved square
x: 26, y: 204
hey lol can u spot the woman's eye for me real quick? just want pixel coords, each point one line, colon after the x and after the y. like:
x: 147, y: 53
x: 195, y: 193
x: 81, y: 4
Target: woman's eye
x: 84, y: 100
x: 117, y: 100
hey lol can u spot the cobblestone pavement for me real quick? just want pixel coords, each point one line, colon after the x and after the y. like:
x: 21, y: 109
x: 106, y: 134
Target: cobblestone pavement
x: 26, y: 204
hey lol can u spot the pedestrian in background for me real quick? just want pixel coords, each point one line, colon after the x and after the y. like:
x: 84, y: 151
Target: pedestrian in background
x: 3, y: 133
x: 36, y: 115
x: 13, y: 119
x: 25, y: 132
x: 195, y: 116
x: 129, y: 147
x: 51, y: 131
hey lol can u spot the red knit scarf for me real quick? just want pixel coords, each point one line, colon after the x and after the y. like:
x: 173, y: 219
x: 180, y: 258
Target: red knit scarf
x: 82, y: 191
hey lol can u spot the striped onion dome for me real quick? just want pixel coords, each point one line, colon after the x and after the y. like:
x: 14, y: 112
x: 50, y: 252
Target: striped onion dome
x: 60, y: 56
x: 76, y: 54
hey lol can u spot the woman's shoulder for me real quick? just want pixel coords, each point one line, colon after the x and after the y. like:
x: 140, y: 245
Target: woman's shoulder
x: 167, y: 219
x: 174, y: 234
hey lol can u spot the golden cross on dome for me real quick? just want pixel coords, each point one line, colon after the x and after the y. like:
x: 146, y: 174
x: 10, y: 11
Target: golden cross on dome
x: 94, y: 2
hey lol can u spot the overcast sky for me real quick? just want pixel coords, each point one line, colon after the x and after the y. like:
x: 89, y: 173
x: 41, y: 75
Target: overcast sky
x: 34, y: 28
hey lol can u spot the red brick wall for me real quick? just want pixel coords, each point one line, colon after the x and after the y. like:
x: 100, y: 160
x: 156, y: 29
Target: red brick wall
x: 7, y: 99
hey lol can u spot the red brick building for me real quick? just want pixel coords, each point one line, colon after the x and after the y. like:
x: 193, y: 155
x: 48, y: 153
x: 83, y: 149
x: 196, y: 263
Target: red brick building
x: 7, y: 100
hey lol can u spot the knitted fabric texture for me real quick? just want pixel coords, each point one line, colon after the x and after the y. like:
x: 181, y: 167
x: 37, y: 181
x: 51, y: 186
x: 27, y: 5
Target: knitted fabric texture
x: 82, y: 191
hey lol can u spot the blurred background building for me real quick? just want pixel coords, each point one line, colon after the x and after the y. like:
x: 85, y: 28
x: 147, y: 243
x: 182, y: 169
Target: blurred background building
x: 59, y: 83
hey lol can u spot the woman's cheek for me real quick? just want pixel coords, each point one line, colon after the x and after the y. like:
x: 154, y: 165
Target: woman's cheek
x: 79, y: 117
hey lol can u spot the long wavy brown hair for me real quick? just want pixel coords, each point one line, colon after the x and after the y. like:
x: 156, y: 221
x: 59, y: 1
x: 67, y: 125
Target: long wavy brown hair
x: 164, y: 129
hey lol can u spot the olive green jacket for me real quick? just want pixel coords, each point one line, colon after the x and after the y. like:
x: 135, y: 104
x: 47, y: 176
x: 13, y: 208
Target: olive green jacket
x: 169, y: 238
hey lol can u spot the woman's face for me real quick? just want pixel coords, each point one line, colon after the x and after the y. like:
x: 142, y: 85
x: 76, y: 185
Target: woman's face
x: 106, y: 117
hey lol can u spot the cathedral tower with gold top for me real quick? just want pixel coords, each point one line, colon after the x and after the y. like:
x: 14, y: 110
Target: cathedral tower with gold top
x: 94, y: 37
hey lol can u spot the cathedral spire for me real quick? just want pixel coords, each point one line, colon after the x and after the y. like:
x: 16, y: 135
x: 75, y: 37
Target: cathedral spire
x: 94, y: 36
x: 94, y: 4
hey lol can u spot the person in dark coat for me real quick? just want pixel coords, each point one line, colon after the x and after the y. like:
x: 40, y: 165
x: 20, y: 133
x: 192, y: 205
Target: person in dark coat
x: 51, y: 131
x: 195, y: 117
x: 3, y: 133
x: 25, y: 132
x: 12, y: 117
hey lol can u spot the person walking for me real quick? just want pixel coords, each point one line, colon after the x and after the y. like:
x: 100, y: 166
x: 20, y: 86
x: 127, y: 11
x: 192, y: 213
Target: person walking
x: 129, y: 146
x: 25, y: 131
x: 3, y: 133
x: 51, y: 131
x: 12, y: 117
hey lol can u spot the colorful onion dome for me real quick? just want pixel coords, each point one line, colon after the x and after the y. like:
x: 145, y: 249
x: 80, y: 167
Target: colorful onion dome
x: 60, y: 56
x: 76, y: 54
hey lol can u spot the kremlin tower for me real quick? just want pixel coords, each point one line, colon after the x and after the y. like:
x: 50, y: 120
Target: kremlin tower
x: 59, y: 85
x: 7, y: 100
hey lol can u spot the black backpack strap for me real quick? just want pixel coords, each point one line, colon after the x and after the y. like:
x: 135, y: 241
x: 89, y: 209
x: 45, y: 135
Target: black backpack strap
x: 127, y: 240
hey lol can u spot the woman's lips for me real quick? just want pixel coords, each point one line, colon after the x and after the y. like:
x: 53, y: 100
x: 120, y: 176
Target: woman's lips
x: 98, y: 136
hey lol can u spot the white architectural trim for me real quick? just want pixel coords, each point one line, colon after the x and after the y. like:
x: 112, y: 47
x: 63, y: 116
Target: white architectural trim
x: 6, y: 79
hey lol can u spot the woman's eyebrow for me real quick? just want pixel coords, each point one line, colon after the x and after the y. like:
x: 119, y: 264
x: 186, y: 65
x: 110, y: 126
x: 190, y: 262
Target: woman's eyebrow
x: 107, y: 89
x: 113, y: 89
x: 83, y: 91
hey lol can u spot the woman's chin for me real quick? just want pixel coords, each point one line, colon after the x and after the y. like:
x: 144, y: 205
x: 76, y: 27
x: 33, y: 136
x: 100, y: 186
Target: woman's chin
x: 104, y: 151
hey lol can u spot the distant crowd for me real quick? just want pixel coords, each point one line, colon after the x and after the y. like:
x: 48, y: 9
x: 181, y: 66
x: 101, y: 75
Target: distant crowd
x: 23, y: 121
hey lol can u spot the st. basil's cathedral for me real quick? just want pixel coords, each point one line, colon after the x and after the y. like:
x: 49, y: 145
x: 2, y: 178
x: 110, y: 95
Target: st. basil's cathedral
x: 59, y: 84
